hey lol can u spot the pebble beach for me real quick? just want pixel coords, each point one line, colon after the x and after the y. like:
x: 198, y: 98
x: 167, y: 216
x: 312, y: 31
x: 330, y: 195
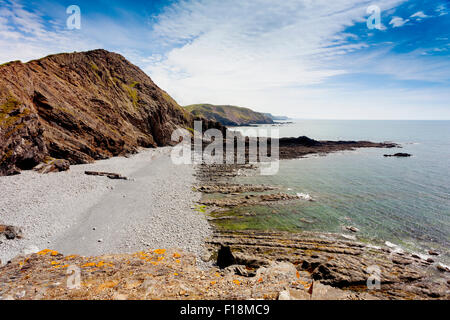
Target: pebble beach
x: 92, y: 215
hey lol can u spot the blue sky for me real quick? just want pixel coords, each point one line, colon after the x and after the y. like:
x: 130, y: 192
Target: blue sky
x: 302, y: 58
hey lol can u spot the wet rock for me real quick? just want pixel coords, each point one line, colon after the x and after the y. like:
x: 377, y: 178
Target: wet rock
x: 398, y: 155
x: 233, y: 189
x: 433, y: 253
x: 247, y: 201
x: 337, y: 263
x: 352, y: 229
x: 222, y: 218
x: 291, y: 148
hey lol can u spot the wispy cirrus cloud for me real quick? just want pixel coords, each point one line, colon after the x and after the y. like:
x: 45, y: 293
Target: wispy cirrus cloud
x: 259, y: 45
x: 442, y: 10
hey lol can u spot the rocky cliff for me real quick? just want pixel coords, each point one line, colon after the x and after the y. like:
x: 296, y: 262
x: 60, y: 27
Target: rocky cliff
x: 229, y: 115
x: 81, y: 107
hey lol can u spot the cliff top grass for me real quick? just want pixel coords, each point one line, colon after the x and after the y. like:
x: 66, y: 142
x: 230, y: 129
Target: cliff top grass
x: 222, y: 110
x: 228, y: 113
x: 10, y: 63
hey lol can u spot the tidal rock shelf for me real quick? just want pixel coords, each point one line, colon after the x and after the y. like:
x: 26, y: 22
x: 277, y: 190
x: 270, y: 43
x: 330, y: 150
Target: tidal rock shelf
x: 342, y: 264
x: 334, y: 262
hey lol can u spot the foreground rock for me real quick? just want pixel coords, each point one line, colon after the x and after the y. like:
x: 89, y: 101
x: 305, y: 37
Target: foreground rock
x: 152, y: 274
x: 10, y: 232
x: 337, y: 263
x: 55, y: 165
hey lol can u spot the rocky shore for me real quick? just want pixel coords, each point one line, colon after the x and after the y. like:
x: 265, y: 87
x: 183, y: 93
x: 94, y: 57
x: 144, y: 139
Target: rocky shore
x: 333, y: 260
x: 222, y: 264
x: 90, y: 215
x: 152, y: 274
x: 291, y: 148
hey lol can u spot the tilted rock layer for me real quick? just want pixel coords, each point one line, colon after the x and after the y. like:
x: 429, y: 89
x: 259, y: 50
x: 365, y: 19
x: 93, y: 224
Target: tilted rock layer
x: 81, y: 107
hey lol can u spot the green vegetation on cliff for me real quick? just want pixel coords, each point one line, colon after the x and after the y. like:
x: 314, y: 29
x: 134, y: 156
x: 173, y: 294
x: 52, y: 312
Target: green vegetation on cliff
x: 229, y: 115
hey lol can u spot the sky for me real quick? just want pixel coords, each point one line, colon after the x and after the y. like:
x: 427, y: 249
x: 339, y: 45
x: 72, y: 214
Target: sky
x: 310, y: 59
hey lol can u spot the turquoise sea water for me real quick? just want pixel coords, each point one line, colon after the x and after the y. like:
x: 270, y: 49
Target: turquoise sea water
x: 405, y: 201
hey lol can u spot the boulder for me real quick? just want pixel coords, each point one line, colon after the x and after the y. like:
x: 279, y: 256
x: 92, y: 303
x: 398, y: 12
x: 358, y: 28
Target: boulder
x: 225, y: 257
x: 352, y: 229
x: 399, y: 155
x: 56, y: 165
x: 442, y: 268
x: 10, y: 232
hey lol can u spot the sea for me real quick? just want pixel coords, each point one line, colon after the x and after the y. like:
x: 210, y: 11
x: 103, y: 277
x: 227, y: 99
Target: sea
x: 400, y: 202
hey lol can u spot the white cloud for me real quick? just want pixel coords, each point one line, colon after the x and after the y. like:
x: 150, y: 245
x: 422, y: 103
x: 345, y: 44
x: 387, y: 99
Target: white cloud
x: 227, y: 51
x: 398, y: 22
x: 419, y: 15
x: 442, y: 10
x: 24, y: 35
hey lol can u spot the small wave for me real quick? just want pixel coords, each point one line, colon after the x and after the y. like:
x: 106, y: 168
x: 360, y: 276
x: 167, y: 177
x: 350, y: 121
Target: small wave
x: 348, y: 237
x: 444, y: 266
x: 396, y: 248
x: 305, y: 196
